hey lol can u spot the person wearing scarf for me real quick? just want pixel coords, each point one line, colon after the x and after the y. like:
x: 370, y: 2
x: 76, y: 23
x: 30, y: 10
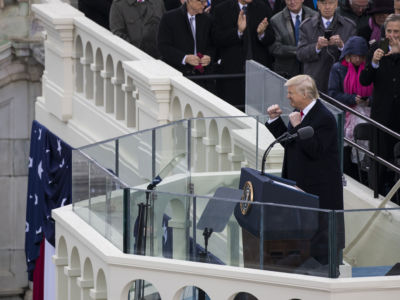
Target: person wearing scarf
x: 378, y: 12
x: 344, y: 86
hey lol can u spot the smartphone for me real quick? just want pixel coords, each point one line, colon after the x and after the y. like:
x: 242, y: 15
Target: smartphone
x: 328, y: 33
x: 384, y: 45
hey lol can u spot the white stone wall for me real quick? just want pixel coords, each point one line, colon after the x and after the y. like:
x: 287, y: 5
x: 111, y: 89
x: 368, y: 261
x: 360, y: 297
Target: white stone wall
x: 19, y: 87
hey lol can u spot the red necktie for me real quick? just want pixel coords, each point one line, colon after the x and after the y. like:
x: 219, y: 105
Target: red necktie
x: 301, y: 113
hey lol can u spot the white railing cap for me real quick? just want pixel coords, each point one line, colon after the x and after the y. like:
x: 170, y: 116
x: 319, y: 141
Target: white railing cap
x: 56, y: 13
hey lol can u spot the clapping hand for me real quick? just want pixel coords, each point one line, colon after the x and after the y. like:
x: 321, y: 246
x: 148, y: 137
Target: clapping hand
x: 262, y: 26
x: 242, y: 22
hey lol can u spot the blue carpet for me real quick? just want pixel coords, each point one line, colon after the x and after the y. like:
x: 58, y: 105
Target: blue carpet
x: 370, y: 271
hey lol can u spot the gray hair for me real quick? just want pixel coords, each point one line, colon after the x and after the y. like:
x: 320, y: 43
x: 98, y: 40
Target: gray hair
x: 392, y: 18
x: 304, y: 85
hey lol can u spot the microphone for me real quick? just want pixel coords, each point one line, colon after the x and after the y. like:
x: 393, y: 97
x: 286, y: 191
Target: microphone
x: 165, y: 171
x: 302, y: 134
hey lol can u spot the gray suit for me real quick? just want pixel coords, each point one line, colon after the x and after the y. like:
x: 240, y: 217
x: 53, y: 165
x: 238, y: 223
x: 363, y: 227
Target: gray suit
x: 318, y: 65
x: 284, y: 48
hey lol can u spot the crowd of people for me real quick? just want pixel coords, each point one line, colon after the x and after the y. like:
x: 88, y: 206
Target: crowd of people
x: 351, y: 48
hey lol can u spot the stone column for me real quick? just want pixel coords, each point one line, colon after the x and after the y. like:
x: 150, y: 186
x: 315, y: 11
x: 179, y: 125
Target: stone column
x: 74, y: 292
x: 119, y: 97
x: 85, y: 286
x: 61, y: 279
x: 98, y: 85
x: 130, y: 103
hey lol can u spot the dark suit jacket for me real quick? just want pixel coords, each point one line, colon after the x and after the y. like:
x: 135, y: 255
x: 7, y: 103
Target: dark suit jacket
x: 175, y: 38
x: 232, y: 49
x: 314, y: 163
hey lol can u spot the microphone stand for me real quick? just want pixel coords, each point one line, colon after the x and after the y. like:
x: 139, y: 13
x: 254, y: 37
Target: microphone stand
x: 264, y: 158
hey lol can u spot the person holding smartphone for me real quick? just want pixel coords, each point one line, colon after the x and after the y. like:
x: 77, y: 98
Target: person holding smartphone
x: 383, y: 70
x: 321, y: 41
x: 344, y: 86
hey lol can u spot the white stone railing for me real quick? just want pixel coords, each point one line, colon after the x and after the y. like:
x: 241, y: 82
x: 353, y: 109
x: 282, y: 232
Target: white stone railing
x: 98, y: 86
x: 85, y: 270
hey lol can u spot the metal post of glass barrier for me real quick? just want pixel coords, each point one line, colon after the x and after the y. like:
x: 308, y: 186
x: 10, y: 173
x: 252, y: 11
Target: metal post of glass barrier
x: 257, y: 140
x: 262, y: 205
x: 127, y: 221
x: 117, y: 157
x: 332, y: 245
x: 194, y: 239
x: 150, y: 205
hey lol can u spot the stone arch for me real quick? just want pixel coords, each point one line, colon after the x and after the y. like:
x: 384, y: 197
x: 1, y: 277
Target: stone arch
x: 242, y: 295
x: 213, y: 131
x: 226, y: 143
x: 108, y: 86
x: 211, y: 140
x: 73, y: 271
x: 224, y: 148
x: 177, y: 223
x: 176, y: 110
x: 180, y: 294
x: 61, y: 261
x: 200, y: 125
x: 87, y: 269
x: 119, y: 94
x: 188, y: 113
x: 100, y: 290
x: 75, y: 261
x: 78, y: 65
x: 99, y: 83
x: 62, y: 250
x: 86, y: 280
x: 198, y: 152
x: 130, y: 288
x: 88, y: 60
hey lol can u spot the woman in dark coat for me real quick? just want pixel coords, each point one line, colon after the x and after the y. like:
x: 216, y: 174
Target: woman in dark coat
x: 345, y: 87
x: 379, y: 11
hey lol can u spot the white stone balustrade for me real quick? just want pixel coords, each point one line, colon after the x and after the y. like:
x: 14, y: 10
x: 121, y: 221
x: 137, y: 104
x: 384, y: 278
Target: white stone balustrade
x: 95, y: 80
x: 111, y: 273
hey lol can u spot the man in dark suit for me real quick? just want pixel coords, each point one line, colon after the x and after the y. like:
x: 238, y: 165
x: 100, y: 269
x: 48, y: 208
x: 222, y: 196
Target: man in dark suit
x: 312, y: 163
x: 184, y: 39
x: 286, y: 25
x: 317, y: 50
x: 241, y: 32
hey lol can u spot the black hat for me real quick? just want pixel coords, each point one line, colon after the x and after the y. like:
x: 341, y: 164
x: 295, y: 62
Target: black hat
x: 381, y: 7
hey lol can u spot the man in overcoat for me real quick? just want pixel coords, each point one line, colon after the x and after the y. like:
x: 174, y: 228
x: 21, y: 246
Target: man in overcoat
x: 316, y: 50
x: 136, y: 21
x: 313, y: 163
x: 286, y: 25
x: 184, y: 38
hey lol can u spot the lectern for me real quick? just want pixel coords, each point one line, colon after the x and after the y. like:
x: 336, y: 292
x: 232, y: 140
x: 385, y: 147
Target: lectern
x: 275, y: 220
